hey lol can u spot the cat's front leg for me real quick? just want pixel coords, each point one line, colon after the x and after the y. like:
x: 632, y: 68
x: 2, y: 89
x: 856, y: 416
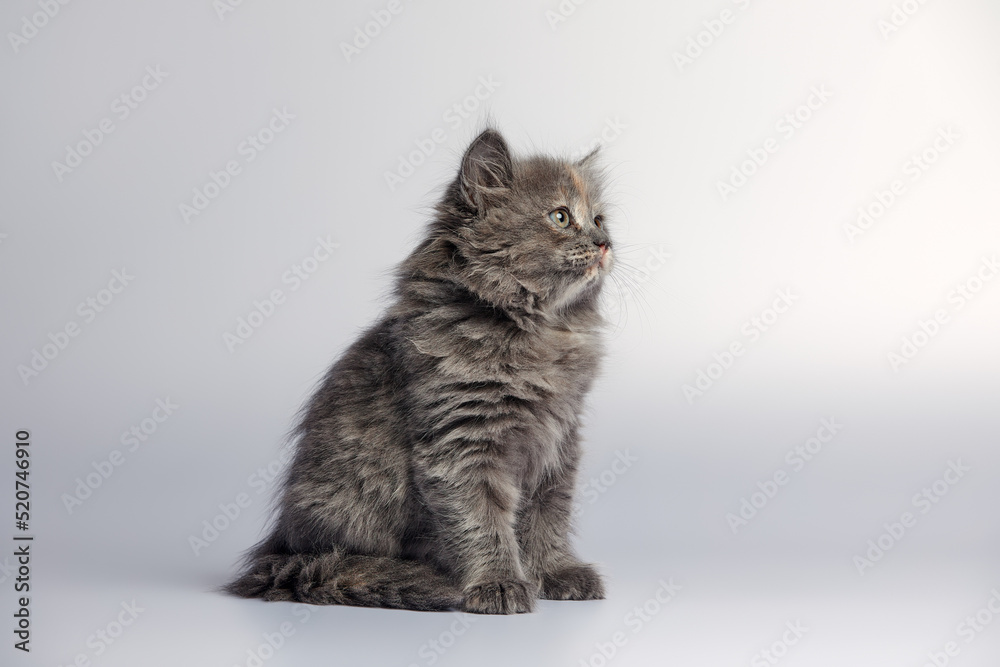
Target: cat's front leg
x: 474, y: 502
x: 543, y: 531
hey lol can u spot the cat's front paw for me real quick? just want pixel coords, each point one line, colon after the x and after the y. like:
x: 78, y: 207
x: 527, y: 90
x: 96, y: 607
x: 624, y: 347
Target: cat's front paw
x: 572, y: 582
x: 500, y: 597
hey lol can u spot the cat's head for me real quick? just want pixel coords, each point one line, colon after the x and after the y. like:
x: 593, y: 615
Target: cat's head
x: 530, y: 230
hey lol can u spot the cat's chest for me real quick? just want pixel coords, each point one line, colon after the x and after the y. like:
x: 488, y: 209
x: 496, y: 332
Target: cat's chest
x: 550, y: 367
x: 570, y: 353
x: 559, y: 358
x: 531, y: 382
x: 557, y: 373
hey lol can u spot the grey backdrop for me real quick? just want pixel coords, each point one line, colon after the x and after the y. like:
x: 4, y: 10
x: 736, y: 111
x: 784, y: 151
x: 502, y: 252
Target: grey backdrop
x: 743, y: 137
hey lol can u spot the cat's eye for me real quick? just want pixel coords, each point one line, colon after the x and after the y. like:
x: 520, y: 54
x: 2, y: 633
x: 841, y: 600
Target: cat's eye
x: 599, y: 221
x: 560, y: 216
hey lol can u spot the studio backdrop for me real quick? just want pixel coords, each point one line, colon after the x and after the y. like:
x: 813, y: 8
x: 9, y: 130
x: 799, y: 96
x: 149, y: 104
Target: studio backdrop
x: 791, y: 449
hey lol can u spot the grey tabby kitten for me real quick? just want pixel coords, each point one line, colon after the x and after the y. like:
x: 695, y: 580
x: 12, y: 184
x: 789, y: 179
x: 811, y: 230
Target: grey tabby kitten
x: 435, y: 465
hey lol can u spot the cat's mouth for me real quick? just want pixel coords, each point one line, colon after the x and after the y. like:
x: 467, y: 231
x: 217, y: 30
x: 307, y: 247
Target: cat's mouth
x: 602, y: 263
x: 605, y: 259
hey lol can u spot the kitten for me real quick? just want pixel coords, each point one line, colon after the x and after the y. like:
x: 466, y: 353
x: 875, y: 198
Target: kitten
x: 435, y: 464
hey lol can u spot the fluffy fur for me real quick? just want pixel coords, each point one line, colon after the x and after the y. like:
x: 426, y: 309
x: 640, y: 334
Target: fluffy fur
x: 435, y: 465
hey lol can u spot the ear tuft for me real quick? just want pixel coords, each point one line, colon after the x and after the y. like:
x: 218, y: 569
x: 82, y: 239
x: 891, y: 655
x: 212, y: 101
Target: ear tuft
x: 590, y: 158
x: 487, y: 169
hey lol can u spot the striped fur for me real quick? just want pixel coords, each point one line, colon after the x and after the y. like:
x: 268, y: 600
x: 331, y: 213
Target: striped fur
x: 435, y: 465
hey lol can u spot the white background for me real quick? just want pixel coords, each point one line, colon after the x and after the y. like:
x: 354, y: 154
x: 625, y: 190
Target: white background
x: 682, y: 128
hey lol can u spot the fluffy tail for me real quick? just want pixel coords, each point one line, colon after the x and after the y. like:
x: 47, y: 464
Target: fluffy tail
x: 336, y: 577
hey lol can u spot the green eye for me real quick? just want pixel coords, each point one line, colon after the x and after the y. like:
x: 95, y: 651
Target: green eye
x: 560, y: 216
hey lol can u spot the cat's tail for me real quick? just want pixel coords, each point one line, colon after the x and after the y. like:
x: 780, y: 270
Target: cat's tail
x: 336, y: 577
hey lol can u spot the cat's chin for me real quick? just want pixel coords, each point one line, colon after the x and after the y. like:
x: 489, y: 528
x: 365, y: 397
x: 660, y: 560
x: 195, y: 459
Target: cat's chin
x: 582, y: 291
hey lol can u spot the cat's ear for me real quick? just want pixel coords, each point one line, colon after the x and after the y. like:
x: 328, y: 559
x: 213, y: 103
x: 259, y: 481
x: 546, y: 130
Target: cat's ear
x: 487, y: 169
x: 590, y: 159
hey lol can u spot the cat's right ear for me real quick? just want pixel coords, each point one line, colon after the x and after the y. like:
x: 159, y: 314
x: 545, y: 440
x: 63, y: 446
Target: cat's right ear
x: 487, y: 170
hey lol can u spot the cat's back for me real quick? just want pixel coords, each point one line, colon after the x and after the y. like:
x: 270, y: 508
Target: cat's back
x: 356, y: 417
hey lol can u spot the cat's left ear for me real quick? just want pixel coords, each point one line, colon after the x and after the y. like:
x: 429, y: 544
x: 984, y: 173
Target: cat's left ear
x: 590, y: 158
x: 487, y: 169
